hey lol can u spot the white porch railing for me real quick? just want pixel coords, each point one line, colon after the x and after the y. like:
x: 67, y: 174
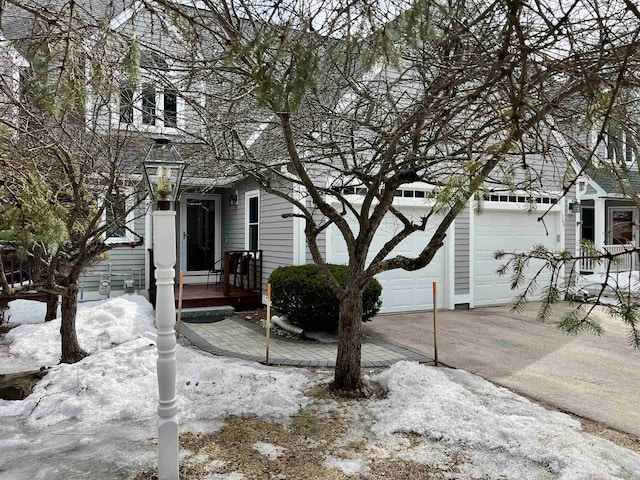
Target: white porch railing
x: 623, y: 262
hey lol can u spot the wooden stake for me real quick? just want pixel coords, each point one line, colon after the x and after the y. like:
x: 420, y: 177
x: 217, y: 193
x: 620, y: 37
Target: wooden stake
x: 179, y: 304
x: 268, y: 322
x: 435, y: 324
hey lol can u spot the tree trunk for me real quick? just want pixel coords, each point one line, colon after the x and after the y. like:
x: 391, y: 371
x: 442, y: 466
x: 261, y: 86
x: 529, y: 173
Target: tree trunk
x: 52, y: 307
x: 71, y: 351
x: 348, y: 373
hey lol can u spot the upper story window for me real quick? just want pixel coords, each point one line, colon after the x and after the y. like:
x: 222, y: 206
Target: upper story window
x: 155, y: 102
x: 620, y: 145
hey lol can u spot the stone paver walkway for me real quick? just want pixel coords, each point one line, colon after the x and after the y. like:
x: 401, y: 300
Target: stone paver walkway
x: 236, y: 338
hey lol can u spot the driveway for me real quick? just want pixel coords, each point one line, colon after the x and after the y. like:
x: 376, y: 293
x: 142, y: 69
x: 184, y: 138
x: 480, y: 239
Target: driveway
x: 594, y: 377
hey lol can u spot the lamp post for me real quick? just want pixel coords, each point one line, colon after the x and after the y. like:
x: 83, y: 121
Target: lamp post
x: 163, y: 168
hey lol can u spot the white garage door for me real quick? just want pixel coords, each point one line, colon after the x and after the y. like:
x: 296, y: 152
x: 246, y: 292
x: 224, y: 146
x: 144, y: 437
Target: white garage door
x: 402, y: 291
x: 509, y: 231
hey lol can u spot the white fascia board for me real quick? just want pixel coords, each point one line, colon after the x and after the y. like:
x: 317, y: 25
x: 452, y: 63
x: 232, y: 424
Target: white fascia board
x: 14, y: 55
x: 125, y: 15
x: 257, y: 132
x: 348, y: 98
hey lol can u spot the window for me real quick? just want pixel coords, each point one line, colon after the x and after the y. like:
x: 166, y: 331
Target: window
x: 126, y: 104
x: 620, y: 145
x: 156, y: 102
x: 115, y: 215
x: 588, y: 224
x: 252, y: 215
x: 149, y: 105
x: 170, y: 108
x: 118, y: 218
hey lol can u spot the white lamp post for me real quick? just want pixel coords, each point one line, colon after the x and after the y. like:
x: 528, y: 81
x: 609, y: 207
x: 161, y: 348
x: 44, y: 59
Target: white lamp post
x: 163, y: 168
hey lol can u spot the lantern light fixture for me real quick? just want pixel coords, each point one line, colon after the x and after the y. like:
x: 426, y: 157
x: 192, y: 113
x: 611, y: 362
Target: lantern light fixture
x: 163, y: 169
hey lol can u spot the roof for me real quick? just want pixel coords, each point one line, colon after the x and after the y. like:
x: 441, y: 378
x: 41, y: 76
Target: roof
x: 17, y: 21
x: 612, y: 177
x: 610, y: 181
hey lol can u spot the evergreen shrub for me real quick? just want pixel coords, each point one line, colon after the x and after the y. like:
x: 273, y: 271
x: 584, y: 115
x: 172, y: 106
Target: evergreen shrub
x: 302, y: 294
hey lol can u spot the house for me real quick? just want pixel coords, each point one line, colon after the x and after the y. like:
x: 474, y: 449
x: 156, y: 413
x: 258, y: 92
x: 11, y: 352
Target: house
x: 607, y: 195
x: 220, y: 212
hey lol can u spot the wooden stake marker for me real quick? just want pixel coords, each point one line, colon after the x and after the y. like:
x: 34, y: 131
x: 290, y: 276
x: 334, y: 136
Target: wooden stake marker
x: 435, y: 324
x: 266, y: 361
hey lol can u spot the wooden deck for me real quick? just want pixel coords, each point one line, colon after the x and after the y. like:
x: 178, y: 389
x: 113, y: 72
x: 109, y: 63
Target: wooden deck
x: 38, y: 296
x: 194, y: 296
x: 239, y: 283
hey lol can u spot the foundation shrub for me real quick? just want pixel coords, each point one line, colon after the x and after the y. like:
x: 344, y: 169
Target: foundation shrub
x: 303, y: 294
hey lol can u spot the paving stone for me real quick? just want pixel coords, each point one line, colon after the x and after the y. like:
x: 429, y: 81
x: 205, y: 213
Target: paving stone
x: 236, y: 338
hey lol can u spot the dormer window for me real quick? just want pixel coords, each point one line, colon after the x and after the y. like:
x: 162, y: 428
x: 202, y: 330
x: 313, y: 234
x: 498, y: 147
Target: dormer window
x: 620, y: 145
x: 126, y: 104
x: 156, y: 102
x: 149, y: 105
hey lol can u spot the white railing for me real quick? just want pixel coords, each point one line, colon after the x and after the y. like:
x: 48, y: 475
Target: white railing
x: 623, y: 262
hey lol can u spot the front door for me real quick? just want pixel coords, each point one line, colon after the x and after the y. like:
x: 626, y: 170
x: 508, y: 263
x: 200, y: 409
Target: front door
x: 200, y: 235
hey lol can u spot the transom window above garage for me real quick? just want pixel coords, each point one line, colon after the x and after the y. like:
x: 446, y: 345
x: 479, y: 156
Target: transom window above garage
x: 509, y: 198
x: 402, y: 193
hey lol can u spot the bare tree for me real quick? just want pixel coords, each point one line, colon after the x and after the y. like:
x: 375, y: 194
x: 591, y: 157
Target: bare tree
x: 319, y: 100
x: 65, y: 173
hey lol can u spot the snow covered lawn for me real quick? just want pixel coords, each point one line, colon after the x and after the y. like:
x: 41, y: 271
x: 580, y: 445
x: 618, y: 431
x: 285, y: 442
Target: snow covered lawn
x: 97, y: 419
x: 625, y: 282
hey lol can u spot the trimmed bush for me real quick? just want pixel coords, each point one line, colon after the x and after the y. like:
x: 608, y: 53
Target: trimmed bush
x: 302, y: 294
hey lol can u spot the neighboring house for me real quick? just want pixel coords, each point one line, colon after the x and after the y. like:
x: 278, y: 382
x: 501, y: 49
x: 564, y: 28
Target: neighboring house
x: 608, y: 214
x: 219, y: 212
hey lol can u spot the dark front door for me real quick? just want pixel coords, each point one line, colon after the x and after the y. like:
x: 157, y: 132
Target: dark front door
x: 200, y: 246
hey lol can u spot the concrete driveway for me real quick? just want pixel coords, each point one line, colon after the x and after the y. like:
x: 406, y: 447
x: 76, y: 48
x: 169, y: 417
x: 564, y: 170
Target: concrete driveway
x: 594, y: 377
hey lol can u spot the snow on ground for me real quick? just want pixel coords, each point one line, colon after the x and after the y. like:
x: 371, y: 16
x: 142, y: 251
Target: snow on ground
x: 94, y: 419
x: 98, y: 326
x: 493, y: 426
x: 624, y: 281
x: 115, y: 388
x: 269, y: 449
x: 26, y: 311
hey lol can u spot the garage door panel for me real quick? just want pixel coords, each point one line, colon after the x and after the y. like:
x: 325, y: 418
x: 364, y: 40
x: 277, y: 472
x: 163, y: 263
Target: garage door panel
x: 402, y: 290
x: 511, y: 232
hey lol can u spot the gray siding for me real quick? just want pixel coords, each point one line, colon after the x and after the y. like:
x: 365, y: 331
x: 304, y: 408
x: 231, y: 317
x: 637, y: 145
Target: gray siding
x: 233, y: 217
x: 321, y: 239
x: 275, y: 234
x: 461, y: 253
x: 122, y: 260
x: 570, y: 240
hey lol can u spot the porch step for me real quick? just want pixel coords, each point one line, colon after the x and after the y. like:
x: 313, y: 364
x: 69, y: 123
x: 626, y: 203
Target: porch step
x: 207, y: 314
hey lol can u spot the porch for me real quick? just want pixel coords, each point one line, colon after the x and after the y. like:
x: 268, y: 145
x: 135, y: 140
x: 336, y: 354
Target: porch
x: 611, y: 225
x: 235, y: 280
x: 623, y: 258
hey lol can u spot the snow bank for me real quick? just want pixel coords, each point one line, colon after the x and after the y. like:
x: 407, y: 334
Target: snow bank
x: 623, y: 281
x: 98, y: 326
x: 215, y: 387
x: 118, y: 380
x: 27, y: 311
x: 121, y: 384
x: 493, y: 425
